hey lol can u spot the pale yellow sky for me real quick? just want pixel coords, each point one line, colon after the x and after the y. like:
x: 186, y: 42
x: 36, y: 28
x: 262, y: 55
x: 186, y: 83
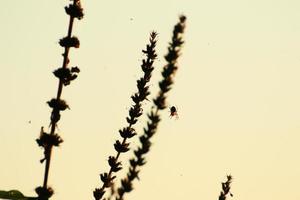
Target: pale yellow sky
x: 237, y: 92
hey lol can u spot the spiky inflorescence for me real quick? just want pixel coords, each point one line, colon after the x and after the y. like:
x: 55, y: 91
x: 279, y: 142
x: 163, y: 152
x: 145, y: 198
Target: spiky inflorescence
x: 168, y: 73
x: 65, y: 76
x: 134, y: 113
x: 226, y: 188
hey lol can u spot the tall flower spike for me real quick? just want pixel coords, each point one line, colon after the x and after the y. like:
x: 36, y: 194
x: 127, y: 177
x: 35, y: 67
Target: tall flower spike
x: 65, y: 76
x: 165, y: 84
x: 134, y: 113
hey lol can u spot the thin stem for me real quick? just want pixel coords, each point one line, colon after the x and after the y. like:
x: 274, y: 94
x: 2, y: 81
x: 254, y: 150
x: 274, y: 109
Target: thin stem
x: 47, y: 167
x: 59, y: 92
x: 65, y: 61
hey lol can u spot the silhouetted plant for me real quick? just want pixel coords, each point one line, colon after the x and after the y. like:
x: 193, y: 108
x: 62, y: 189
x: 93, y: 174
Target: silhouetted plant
x: 134, y: 113
x: 159, y: 102
x: 226, y: 188
x: 65, y: 76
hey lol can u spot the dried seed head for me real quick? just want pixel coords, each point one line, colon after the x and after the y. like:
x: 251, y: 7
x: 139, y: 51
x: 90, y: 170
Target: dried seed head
x: 127, y: 132
x: 115, y: 166
x: 68, y: 42
x: 44, y: 193
x: 46, y: 140
x: 58, y: 104
x: 106, y: 179
x: 66, y: 75
x: 75, y: 10
x: 98, y: 193
x: 126, y: 185
x: 121, y: 148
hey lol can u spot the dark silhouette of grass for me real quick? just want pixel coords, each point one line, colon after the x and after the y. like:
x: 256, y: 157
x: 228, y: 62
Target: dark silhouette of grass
x: 159, y: 103
x: 134, y: 113
x: 65, y: 76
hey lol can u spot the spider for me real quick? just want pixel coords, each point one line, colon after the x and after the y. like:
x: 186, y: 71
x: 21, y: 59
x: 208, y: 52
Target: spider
x: 173, y: 112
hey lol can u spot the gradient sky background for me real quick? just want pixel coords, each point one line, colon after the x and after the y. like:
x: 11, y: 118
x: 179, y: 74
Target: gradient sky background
x: 237, y: 91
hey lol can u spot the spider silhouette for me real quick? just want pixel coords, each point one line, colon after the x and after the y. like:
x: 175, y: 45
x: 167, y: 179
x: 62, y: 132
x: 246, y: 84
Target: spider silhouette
x: 173, y: 112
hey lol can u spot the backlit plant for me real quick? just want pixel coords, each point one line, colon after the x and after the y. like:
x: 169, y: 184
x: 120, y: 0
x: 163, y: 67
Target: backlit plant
x: 67, y: 74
